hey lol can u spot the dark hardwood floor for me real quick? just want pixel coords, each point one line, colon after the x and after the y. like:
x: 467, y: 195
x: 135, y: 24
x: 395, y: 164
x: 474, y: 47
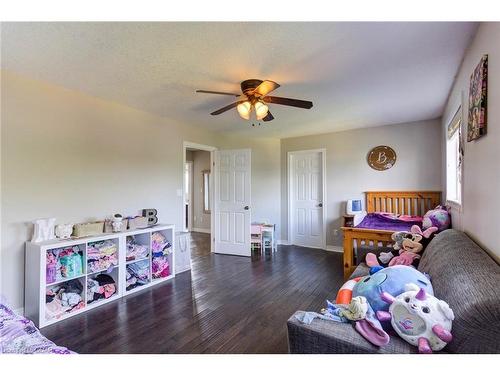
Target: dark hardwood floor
x: 226, y: 304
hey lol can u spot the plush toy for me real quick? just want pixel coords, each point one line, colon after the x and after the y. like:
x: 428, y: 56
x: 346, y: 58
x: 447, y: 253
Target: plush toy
x: 419, y: 318
x: 438, y: 217
x: 391, y: 280
x: 408, y: 247
x: 403, y: 242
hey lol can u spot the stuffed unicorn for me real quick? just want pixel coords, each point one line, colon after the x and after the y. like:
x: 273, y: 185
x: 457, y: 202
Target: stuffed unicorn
x: 419, y: 318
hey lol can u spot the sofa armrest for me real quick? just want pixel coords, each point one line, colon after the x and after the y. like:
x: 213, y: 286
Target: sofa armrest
x: 323, y: 336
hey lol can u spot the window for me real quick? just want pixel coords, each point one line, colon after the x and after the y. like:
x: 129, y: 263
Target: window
x: 454, y: 159
x: 206, y: 192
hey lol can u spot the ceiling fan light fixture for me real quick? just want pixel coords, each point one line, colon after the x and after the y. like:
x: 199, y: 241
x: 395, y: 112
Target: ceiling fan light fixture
x: 244, y: 109
x: 261, y: 110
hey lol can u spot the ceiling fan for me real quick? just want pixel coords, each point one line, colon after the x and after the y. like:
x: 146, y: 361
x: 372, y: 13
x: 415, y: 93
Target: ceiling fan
x: 255, y: 95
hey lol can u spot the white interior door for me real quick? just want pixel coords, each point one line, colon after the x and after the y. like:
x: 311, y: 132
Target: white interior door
x: 306, y: 203
x: 232, y: 202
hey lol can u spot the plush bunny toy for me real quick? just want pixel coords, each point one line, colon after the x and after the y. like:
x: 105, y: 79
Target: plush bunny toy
x: 419, y: 318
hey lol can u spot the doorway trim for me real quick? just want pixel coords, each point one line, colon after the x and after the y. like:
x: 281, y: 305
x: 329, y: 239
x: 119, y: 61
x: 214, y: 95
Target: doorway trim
x: 290, y: 154
x: 211, y: 149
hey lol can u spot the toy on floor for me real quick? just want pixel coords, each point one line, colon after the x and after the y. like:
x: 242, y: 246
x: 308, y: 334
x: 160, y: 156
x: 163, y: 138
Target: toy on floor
x: 419, y: 318
x: 438, y: 217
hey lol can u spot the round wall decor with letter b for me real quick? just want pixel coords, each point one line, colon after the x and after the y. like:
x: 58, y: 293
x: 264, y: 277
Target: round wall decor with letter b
x: 381, y: 158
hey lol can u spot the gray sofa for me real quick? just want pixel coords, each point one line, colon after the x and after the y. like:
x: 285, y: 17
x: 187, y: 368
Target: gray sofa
x: 462, y: 274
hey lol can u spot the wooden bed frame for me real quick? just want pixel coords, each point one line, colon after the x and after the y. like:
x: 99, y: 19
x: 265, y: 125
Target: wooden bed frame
x: 398, y: 202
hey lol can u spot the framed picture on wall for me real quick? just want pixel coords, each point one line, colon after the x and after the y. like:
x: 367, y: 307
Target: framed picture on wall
x: 478, y: 95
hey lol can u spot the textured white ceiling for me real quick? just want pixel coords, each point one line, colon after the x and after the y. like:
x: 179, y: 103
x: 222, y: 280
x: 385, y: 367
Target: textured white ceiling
x: 356, y: 74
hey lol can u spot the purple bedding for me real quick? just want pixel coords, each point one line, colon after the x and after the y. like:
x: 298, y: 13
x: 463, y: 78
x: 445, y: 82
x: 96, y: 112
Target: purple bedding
x: 19, y: 335
x: 388, y: 221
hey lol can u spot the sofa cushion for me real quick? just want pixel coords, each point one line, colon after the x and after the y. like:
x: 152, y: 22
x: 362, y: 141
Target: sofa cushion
x: 361, y: 270
x: 324, y: 336
x: 466, y: 277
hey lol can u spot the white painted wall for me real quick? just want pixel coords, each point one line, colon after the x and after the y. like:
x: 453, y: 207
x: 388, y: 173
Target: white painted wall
x: 201, y: 162
x: 478, y: 216
x: 77, y: 158
x: 418, y: 165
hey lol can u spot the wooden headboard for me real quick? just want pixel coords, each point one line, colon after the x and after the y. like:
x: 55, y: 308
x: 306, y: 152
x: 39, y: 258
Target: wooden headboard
x: 402, y: 202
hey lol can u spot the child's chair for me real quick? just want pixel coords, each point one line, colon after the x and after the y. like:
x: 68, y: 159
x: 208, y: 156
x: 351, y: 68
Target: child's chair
x: 256, y: 237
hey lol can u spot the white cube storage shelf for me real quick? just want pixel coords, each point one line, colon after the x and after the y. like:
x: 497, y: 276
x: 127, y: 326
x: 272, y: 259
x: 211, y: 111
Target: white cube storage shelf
x: 154, y: 265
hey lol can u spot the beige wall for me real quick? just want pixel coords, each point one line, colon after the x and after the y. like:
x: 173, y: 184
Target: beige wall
x: 201, y: 162
x: 75, y: 157
x: 478, y: 216
x: 418, y: 165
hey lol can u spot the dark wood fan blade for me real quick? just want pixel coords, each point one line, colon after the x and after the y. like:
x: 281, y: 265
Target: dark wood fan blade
x: 287, y: 101
x: 224, y: 109
x: 268, y: 117
x: 265, y: 88
x: 216, y: 92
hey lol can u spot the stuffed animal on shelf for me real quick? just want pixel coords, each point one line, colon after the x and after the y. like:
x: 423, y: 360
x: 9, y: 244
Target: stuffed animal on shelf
x: 419, y: 318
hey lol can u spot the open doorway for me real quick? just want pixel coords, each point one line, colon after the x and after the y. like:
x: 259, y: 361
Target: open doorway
x: 188, y: 192
x: 197, y: 210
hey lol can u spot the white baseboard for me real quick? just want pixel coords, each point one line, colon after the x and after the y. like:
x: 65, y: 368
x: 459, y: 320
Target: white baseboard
x: 336, y: 249
x: 200, y: 230
x: 282, y: 242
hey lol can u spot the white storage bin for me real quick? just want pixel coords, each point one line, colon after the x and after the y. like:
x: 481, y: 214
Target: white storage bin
x: 183, y: 252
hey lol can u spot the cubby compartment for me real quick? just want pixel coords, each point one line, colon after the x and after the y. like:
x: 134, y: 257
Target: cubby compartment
x: 65, y: 277
x: 102, y: 255
x: 138, y: 247
x: 161, y: 254
x: 64, y: 263
x: 102, y: 286
x: 138, y: 273
x: 64, y: 298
